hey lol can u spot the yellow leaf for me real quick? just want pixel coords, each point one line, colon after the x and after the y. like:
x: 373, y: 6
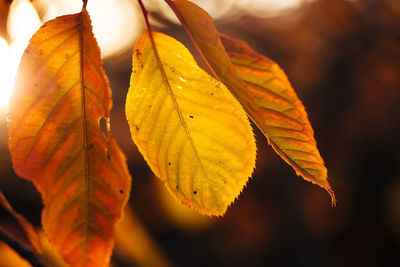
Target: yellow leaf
x: 190, y: 129
x: 284, y: 118
x: 11, y: 258
x: 266, y: 95
x: 134, y: 244
x: 178, y: 215
x: 55, y: 140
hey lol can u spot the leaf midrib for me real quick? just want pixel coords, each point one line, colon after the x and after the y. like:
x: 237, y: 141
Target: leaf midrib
x: 84, y: 126
x: 176, y: 105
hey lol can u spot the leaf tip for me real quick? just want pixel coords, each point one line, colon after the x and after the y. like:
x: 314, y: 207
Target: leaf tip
x: 325, y: 185
x: 332, y: 194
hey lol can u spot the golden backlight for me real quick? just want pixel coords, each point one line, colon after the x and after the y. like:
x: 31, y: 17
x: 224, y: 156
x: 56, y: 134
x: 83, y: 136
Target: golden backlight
x: 115, y: 25
x: 22, y: 23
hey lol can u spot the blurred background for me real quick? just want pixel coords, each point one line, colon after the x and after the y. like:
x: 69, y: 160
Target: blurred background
x: 343, y: 59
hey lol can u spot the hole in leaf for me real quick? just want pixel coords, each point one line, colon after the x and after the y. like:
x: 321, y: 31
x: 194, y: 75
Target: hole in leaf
x: 195, y: 192
x: 104, y: 126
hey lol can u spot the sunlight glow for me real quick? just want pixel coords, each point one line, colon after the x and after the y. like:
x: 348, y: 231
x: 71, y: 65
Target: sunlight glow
x: 115, y: 23
x: 9, y: 60
x: 268, y: 8
x: 232, y: 9
x: 22, y: 23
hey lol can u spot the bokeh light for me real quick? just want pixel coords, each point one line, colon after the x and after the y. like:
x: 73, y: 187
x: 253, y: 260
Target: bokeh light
x: 230, y: 9
x: 22, y: 23
x: 115, y: 23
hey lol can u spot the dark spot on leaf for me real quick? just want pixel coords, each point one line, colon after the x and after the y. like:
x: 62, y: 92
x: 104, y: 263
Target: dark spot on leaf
x: 212, y: 94
x: 121, y: 191
x: 195, y: 192
x: 217, y: 85
x: 172, y: 69
x: 66, y: 56
x: 108, y: 155
x: 149, y: 106
x: 141, y: 66
x: 169, y: 163
x: 177, y: 187
x: 186, y: 204
x: 190, y: 116
x: 137, y: 128
x: 91, y: 146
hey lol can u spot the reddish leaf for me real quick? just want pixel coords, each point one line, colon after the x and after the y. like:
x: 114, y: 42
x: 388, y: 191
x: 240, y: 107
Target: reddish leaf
x: 26, y: 226
x: 4, y: 8
x: 56, y: 141
x: 284, y: 118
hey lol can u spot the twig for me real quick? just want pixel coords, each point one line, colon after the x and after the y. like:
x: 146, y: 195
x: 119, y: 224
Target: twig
x: 145, y: 15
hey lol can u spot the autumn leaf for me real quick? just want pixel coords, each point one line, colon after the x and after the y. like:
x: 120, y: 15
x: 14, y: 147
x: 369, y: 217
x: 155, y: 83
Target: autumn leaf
x: 4, y: 9
x: 56, y: 141
x: 285, y: 119
x: 29, y: 230
x: 263, y: 90
x: 10, y: 258
x: 190, y: 129
x: 134, y: 243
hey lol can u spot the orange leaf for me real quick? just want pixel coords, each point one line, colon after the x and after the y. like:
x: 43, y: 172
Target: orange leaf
x: 26, y: 226
x: 4, y: 8
x: 265, y: 93
x: 284, y: 118
x: 55, y: 140
x: 11, y: 258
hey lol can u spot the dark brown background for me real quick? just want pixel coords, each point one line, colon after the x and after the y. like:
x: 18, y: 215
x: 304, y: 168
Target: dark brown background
x: 343, y: 59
